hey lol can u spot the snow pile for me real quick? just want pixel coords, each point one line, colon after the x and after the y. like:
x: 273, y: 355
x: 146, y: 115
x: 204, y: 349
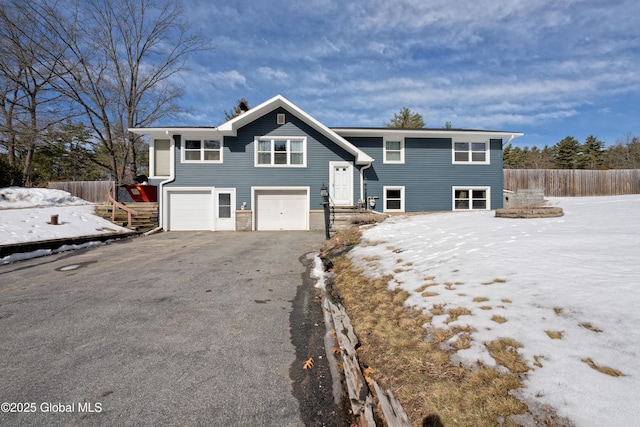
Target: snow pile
x: 575, y: 275
x: 30, y: 220
x: 17, y: 197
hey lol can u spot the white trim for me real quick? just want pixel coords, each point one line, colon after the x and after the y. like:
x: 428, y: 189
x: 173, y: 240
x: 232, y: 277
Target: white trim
x: 256, y: 143
x: 258, y: 189
x: 183, y: 148
x: 165, y: 206
x: 231, y: 127
x: 471, y: 141
x: 384, y: 150
x: 384, y: 197
x: 470, y: 188
x: 332, y: 166
x: 426, y: 133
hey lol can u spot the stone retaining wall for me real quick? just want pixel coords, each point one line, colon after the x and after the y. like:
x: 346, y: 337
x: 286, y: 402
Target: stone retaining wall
x: 523, y: 198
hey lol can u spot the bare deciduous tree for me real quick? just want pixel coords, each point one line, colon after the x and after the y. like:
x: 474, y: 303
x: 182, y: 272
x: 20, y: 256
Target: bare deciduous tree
x: 29, y: 104
x: 120, y: 58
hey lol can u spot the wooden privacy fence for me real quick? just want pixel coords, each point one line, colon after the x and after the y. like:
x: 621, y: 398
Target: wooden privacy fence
x: 91, y: 191
x: 574, y: 182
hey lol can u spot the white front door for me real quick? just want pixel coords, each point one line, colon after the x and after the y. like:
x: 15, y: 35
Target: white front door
x: 341, y: 183
x: 225, y: 208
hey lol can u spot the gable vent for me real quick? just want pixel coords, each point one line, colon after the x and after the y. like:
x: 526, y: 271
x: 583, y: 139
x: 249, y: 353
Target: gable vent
x: 280, y: 118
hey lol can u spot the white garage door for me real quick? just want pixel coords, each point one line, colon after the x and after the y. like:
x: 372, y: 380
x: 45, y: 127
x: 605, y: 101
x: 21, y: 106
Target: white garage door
x: 190, y: 210
x: 282, y: 209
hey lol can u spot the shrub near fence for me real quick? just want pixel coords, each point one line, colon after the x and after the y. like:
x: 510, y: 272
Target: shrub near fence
x: 574, y: 182
x: 91, y: 191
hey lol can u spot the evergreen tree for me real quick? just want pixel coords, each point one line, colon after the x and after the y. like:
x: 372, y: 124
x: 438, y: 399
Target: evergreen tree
x: 406, y: 119
x: 625, y: 154
x: 9, y: 174
x: 592, y: 154
x: 567, y: 153
x: 239, y: 108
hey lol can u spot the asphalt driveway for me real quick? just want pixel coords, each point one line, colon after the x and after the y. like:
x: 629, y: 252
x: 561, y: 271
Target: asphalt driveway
x: 187, y: 328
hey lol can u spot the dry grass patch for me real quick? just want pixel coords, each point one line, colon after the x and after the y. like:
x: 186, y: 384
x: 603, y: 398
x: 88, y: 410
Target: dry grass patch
x: 590, y: 327
x: 498, y: 319
x: 485, y: 307
x: 437, y: 310
x: 537, y: 359
x: 555, y: 335
x: 505, y: 352
x: 429, y: 294
x: 480, y: 299
x: 425, y: 286
x: 371, y: 258
x: 463, y: 342
x: 495, y: 281
x: 604, y: 369
x: 416, y: 369
x: 455, y: 313
x: 367, y: 243
x: 557, y: 310
x: 506, y: 300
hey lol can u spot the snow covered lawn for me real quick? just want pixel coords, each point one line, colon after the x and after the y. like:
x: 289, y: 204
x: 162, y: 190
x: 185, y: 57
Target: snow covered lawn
x: 567, y: 287
x: 25, y: 214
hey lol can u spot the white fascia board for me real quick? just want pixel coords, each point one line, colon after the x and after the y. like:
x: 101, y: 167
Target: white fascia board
x: 426, y: 133
x: 231, y: 127
x: 186, y: 132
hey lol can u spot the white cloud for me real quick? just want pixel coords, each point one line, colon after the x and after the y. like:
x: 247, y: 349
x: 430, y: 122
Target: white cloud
x: 478, y: 63
x: 271, y: 74
x: 232, y: 78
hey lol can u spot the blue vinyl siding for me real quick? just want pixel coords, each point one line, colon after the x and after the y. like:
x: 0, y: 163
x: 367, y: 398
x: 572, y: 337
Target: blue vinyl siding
x: 238, y: 170
x: 428, y: 173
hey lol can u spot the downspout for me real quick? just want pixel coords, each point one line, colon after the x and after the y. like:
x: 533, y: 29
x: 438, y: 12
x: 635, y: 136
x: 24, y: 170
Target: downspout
x: 362, y: 169
x: 172, y: 177
x: 511, y: 138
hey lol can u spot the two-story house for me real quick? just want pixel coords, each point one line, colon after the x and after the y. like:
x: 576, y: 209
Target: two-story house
x: 263, y: 170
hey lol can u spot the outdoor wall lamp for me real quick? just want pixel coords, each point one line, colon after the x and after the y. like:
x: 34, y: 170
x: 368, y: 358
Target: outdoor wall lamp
x: 324, y: 192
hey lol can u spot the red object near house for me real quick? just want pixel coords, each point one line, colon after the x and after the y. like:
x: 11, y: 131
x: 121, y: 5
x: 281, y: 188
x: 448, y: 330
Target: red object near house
x: 143, y: 193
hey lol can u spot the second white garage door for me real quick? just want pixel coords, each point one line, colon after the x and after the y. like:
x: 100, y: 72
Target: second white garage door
x: 281, y: 209
x: 190, y: 210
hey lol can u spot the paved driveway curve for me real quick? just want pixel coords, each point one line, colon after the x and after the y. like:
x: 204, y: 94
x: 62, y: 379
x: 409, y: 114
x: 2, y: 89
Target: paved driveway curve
x: 184, y: 328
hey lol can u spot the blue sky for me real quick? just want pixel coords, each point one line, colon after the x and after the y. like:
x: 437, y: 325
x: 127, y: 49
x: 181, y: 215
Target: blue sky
x: 548, y: 68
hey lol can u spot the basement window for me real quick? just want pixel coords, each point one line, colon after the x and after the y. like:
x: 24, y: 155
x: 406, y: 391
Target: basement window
x: 471, y: 198
x: 393, y: 199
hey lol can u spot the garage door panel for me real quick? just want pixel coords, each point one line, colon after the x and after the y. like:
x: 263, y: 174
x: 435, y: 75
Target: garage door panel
x: 190, y: 210
x: 282, y: 209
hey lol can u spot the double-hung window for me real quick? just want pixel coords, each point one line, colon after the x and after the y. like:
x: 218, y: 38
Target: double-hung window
x: 471, y: 198
x: 470, y: 152
x: 202, y: 150
x: 393, y: 199
x: 281, y: 151
x: 393, y: 151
